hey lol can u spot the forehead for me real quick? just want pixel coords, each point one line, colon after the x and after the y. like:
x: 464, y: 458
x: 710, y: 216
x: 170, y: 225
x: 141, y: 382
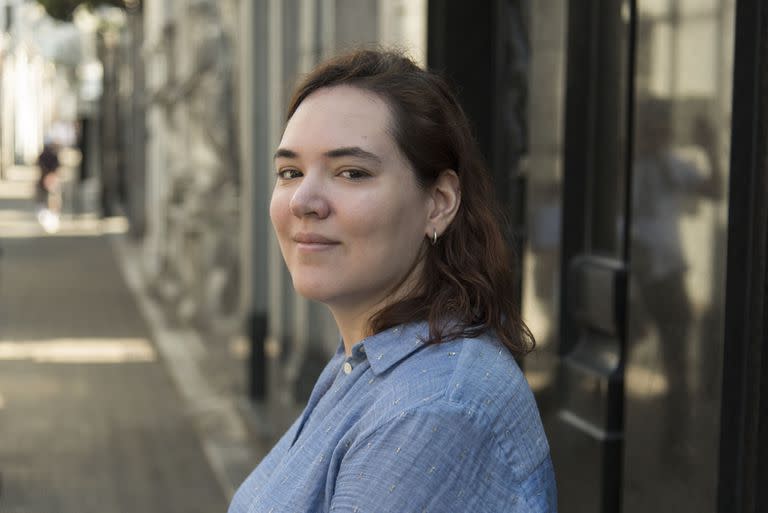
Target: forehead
x: 339, y: 117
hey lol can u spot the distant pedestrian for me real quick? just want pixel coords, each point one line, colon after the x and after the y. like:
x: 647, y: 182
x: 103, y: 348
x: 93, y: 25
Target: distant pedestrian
x: 385, y: 212
x: 47, y: 192
x: 666, y: 188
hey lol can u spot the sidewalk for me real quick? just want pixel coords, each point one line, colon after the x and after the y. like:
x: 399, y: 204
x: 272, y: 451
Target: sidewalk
x: 103, y: 408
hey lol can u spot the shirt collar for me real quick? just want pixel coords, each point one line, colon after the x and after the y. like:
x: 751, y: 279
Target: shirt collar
x: 387, y: 348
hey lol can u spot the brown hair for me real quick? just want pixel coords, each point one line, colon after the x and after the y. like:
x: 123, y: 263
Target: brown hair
x: 467, y: 277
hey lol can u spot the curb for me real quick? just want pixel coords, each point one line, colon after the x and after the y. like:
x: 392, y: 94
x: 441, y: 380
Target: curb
x: 223, y: 433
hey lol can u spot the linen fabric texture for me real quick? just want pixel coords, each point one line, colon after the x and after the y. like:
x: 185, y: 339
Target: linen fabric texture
x: 410, y: 427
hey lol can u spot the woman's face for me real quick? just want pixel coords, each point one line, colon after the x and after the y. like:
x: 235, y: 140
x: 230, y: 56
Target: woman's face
x: 348, y: 213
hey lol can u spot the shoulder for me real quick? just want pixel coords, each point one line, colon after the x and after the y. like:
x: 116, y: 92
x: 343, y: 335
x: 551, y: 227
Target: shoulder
x: 474, y: 384
x: 488, y: 382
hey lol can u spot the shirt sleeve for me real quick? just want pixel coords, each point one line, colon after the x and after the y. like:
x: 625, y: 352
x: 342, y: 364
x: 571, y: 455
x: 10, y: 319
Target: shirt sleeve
x: 436, y: 459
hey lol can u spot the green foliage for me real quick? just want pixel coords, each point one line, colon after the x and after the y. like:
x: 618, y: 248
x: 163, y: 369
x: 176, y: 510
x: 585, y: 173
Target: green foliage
x: 63, y: 9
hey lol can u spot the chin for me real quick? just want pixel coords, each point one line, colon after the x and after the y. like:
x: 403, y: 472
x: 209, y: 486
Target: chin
x: 314, y: 290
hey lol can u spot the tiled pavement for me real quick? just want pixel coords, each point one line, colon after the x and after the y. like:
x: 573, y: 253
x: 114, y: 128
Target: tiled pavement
x: 91, y: 419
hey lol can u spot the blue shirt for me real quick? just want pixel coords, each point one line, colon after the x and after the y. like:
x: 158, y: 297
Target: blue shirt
x: 408, y: 427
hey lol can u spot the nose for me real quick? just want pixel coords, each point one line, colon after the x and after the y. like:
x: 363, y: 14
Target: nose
x: 310, y: 198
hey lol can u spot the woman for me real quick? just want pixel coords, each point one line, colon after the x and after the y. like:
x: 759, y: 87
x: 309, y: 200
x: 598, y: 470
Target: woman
x: 47, y: 191
x: 383, y: 212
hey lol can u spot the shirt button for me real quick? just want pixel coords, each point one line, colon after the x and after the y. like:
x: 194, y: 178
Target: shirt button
x: 347, y: 367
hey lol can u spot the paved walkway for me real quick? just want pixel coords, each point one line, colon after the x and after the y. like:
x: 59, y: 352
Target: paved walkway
x: 91, y: 419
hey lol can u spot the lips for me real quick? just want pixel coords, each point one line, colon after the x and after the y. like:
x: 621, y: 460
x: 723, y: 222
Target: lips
x: 313, y: 239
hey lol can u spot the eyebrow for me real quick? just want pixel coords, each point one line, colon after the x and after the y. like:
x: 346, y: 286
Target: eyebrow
x: 347, y: 151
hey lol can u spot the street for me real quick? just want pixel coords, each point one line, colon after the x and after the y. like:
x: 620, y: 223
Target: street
x: 90, y: 419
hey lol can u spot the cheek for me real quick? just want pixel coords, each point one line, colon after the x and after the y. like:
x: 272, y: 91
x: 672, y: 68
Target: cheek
x: 278, y: 210
x: 280, y: 215
x: 386, y: 222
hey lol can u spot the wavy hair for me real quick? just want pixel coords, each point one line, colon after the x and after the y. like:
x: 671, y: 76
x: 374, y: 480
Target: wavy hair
x: 468, y: 278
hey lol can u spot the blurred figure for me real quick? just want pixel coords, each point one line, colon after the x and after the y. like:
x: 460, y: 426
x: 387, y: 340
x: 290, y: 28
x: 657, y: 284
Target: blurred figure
x: 48, y: 195
x: 665, y: 188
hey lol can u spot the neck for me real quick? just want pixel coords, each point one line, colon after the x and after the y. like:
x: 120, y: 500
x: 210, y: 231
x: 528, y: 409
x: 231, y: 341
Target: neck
x: 353, y: 319
x: 353, y: 326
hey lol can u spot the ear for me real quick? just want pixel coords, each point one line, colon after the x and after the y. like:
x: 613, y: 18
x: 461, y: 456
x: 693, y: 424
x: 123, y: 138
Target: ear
x: 445, y: 198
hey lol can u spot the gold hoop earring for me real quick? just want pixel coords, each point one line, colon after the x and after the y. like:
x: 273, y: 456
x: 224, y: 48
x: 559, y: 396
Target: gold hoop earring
x: 434, y: 237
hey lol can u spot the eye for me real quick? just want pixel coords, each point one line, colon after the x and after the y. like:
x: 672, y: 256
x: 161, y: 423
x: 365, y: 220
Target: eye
x: 288, y: 174
x: 354, y: 174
